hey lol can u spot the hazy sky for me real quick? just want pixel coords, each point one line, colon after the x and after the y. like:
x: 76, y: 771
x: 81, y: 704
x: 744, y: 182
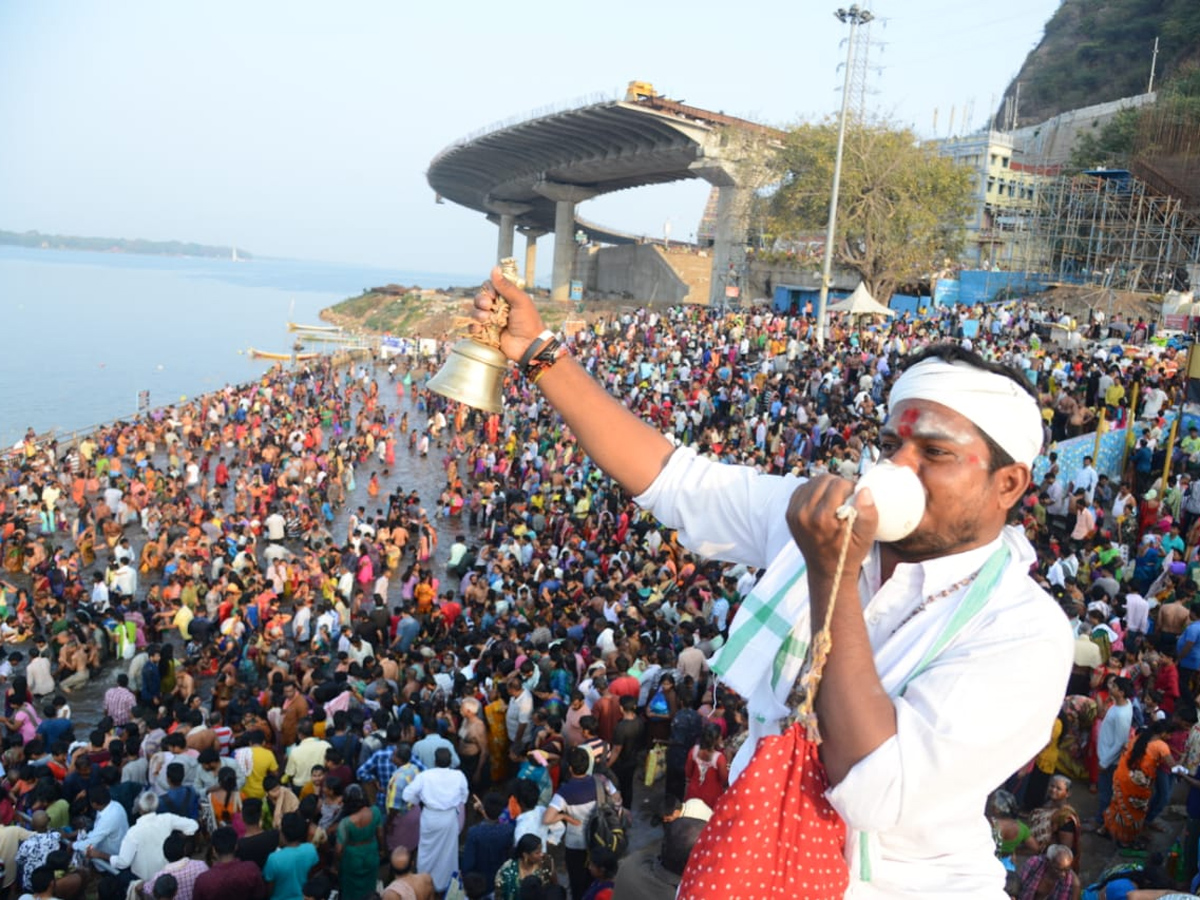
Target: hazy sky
x: 304, y: 129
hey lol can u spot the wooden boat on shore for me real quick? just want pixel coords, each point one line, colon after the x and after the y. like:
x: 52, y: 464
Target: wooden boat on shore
x: 282, y: 357
x: 318, y: 329
x: 325, y: 337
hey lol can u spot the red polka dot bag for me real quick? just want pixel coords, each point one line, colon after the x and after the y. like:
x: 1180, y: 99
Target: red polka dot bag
x: 773, y: 834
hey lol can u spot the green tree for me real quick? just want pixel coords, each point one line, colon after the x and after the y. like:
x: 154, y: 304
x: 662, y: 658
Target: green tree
x: 901, y: 207
x: 1112, y: 147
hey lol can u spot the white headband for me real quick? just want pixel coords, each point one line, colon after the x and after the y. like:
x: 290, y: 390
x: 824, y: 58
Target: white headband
x: 994, y: 403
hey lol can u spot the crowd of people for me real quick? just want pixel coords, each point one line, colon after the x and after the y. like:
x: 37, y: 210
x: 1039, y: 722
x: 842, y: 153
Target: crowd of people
x: 328, y: 682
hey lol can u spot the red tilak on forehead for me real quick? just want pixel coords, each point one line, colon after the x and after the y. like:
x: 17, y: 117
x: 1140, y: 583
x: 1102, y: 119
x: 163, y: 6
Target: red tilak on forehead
x: 908, y: 419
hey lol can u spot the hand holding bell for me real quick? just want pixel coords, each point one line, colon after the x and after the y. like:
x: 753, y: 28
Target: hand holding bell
x: 523, y: 323
x: 503, y: 314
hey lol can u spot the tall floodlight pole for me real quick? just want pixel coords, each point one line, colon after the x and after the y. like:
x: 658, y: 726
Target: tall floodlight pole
x: 855, y: 17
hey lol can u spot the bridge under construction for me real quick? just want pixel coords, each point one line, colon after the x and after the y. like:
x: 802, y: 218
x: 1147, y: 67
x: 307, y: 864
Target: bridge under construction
x: 530, y: 176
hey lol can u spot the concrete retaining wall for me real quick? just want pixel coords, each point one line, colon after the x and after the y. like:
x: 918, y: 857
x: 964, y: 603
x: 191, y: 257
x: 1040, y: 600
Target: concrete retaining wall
x: 642, y: 273
x: 765, y: 277
x: 1051, y: 142
x: 634, y: 272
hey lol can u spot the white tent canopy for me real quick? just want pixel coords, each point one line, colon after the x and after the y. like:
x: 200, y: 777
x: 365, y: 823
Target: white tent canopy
x: 861, y: 303
x: 1180, y: 304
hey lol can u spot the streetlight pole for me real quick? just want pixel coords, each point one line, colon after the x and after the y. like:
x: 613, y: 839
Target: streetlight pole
x: 855, y: 17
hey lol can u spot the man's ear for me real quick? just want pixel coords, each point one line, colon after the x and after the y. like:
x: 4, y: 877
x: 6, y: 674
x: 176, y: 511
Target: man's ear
x: 1011, y: 482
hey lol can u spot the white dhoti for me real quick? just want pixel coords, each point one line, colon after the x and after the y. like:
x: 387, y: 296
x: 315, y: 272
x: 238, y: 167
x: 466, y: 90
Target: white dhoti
x: 437, y: 852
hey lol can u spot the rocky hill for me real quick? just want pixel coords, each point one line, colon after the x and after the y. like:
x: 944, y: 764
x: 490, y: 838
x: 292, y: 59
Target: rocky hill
x: 1094, y: 51
x: 417, y: 312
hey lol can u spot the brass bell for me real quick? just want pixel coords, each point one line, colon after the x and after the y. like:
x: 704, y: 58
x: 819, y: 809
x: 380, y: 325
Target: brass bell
x: 474, y: 375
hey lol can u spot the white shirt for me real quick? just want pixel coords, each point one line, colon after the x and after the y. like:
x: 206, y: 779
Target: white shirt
x: 331, y: 621
x: 275, y: 526
x: 141, y: 849
x: 38, y: 676
x: 746, y: 583
x: 438, y: 789
x: 913, y: 806
x: 361, y: 652
x: 301, y: 623
x: 531, y: 823
x: 124, y: 579
x: 1060, y: 500
x: 1087, y: 479
x: 1154, y: 399
x: 275, y: 552
x: 606, y: 643
x: 1137, y: 613
x: 519, y: 712
x: 100, y: 596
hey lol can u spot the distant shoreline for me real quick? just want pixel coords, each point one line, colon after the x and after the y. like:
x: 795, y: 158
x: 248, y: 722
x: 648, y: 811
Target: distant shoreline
x: 35, y: 240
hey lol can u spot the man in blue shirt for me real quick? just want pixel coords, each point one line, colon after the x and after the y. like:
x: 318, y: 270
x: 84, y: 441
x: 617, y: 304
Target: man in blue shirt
x: 407, y: 630
x: 288, y: 867
x: 1187, y: 651
x: 1143, y: 459
x: 180, y: 799
x: 151, y: 678
x: 53, y: 729
x: 1114, y: 735
x: 110, y: 827
x: 490, y: 843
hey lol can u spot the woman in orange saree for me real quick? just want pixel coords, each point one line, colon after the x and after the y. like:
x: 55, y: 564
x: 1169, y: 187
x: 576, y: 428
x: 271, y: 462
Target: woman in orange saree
x: 1133, y: 784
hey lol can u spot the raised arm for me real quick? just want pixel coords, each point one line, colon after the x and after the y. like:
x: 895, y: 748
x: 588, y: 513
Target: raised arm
x: 624, y: 446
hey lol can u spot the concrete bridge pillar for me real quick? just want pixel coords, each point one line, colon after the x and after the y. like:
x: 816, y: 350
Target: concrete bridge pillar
x: 504, y: 246
x: 531, y: 239
x: 733, y: 215
x: 508, y: 213
x: 565, y: 197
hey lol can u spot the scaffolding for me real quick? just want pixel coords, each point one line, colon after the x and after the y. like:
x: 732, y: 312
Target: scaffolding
x: 1111, y: 229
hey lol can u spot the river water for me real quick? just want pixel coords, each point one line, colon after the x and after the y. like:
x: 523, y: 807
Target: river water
x: 85, y: 332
